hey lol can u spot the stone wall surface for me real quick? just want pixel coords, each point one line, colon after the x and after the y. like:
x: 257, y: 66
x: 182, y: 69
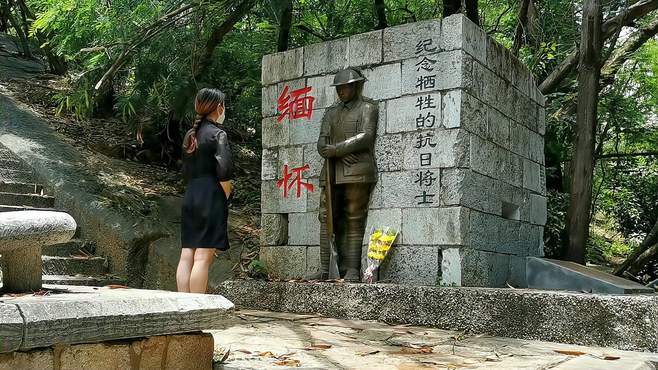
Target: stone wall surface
x: 459, y: 152
x: 188, y: 351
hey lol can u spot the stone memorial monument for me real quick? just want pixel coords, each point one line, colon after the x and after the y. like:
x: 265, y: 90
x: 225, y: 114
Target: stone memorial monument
x: 459, y: 153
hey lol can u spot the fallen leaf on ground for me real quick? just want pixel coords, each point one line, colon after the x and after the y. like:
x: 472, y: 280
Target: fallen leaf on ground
x: 116, y: 286
x: 569, y: 353
x: 369, y: 353
x: 243, y: 351
x: 611, y: 358
x: 415, y: 351
x: 318, y: 346
x: 289, y: 362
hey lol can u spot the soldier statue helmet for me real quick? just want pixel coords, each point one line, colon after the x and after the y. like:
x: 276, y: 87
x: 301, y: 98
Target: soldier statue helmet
x: 346, y: 141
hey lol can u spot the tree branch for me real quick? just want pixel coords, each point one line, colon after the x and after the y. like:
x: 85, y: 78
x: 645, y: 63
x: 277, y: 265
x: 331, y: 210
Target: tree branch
x: 632, y: 43
x: 626, y: 155
x: 608, y: 28
x: 149, y: 32
x: 521, y: 26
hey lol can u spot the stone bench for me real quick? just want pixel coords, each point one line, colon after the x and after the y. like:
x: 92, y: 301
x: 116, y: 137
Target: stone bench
x: 22, y: 234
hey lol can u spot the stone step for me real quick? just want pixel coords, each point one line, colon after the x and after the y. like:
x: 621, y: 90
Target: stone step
x: 82, y: 280
x: 74, y: 266
x: 25, y: 208
x: 20, y: 188
x: 38, y: 201
x: 74, y: 247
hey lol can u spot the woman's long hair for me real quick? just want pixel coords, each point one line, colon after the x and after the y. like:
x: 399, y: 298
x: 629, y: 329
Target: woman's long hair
x: 207, y: 100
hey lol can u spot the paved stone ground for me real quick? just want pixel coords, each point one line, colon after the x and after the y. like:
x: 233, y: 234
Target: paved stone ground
x: 270, y: 340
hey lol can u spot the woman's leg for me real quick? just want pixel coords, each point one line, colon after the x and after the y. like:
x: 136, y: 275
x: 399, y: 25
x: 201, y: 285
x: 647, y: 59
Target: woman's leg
x: 203, y: 258
x: 184, y: 270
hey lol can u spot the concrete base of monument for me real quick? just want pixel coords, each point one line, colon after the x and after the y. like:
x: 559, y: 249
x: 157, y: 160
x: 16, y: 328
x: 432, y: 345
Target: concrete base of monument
x: 105, y: 328
x: 628, y: 322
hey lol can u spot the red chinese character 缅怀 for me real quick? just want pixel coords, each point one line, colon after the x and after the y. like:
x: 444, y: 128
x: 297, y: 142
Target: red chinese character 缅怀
x: 295, y: 104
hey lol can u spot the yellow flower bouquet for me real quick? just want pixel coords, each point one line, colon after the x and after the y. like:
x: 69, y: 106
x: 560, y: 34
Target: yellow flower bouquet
x: 381, y: 240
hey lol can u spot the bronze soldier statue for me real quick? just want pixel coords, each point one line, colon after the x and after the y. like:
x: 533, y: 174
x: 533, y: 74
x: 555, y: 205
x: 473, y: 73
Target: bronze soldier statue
x: 347, y: 139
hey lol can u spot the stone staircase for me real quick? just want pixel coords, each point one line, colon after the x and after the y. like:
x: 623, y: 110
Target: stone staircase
x: 72, y: 263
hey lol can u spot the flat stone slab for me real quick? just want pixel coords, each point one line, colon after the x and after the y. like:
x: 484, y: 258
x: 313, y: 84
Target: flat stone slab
x: 619, y: 321
x: 90, y: 315
x: 269, y: 340
x: 544, y: 273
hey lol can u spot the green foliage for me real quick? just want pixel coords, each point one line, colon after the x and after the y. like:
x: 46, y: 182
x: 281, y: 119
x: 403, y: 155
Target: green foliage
x: 555, y: 232
x: 257, y: 269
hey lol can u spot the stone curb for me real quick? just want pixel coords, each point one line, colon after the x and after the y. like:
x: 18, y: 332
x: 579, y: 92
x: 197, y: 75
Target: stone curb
x: 624, y: 322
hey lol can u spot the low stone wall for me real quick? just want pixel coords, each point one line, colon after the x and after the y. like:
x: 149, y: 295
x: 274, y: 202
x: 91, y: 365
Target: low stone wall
x: 188, y: 351
x: 623, y: 322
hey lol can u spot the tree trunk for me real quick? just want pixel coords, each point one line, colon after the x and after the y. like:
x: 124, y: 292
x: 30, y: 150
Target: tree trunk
x: 380, y: 9
x: 521, y: 27
x: 285, y: 24
x: 472, y: 11
x: 643, y: 259
x: 17, y: 27
x: 583, y: 159
x: 650, y: 239
x: 451, y: 7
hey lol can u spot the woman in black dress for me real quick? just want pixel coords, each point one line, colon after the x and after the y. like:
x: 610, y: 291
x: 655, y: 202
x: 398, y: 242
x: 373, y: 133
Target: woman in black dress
x: 207, y: 168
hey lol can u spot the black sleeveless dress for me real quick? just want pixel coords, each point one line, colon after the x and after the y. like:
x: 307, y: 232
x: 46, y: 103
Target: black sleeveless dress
x: 205, y: 207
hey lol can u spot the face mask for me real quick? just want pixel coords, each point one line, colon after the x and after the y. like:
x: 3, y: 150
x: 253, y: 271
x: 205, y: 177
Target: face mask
x: 222, y: 117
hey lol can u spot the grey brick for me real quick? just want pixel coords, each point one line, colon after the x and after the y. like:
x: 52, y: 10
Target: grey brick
x: 542, y: 180
x: 498, y: 127
x: 271, y: 95
x: 536, y: 147
x: 313, y: 201
x: 399, y: 190
x: 270, y: 164
x: 470, y: 189
x: 402, y: 113
x: 484, y: 269
x: 537, y: 209
x: 326, y: 57
x: 401, y: 42
x: 474, y: 115
x: 324, y: 94
x: 498, y: 59
x: 520, y: 140
x: 365, y: 49
x: 531, y: 177
x: 305, y: 131
x: 383, y: 82
x: 434, y: 226
x: 293, y: 157
x: 495, y: 234
x: 273, y: 201
x: 284, y: 262
x: 485, y: 83
x: 451, y: 149
x: 274, y: 229
x: 313, y: 159
x: 513, y: 172
x: 532, y: 239
x: 274, y: 134
x: 388, y: 217
x: 458, y: 32
x: 411, y: 264
x: 452, y: 109
x: 517, y: 273
x: 541, y: 120
x: 489, y: 159
x: 312, y: 260
x: 451, y: 267
x: 305, y: 229
x: 520, y: 76
x: 283, y: 66
x: 452, y: 70
x: 388, y: 149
